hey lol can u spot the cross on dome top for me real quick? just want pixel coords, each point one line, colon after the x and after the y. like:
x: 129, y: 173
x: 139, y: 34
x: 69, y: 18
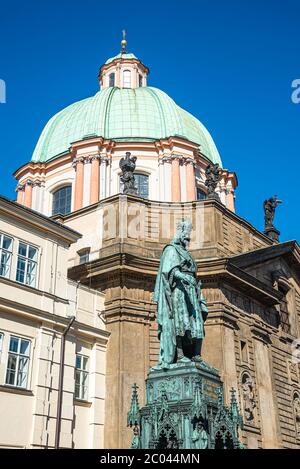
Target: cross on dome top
x: 124, y: 70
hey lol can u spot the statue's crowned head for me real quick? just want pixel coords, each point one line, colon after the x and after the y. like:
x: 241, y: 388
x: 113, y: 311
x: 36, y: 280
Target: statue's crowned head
x: 183, y: 233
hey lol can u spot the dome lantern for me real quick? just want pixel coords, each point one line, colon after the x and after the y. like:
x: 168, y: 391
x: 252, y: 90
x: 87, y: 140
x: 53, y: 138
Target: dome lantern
x: 124, y: 70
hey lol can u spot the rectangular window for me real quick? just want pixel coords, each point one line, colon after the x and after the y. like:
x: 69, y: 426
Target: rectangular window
x: 27, y: 264
x: 5, y: 255
x: 18, y: 362
x: 84, y: 256
x: 81, y: 377
x: 244, y: 351
x: 284, y: 315
x: 127, y: 79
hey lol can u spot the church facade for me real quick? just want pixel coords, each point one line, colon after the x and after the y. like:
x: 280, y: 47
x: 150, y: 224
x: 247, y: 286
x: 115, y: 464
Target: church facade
x: 250, y: 282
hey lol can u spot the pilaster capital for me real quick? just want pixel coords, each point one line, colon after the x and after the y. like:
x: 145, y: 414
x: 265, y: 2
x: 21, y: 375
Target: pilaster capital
x: 229, y: 191
x: 76, y: 160
x: 104, y: 159
x: 176, y: 156
x: 20, y: 187
x: 96, y: 157
x: 166, y: 159
x: 189, y: 161
x: 29, y: 182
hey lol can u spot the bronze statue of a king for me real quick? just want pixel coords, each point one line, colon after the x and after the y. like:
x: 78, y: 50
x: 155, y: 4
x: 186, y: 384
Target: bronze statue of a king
x: 181, y: 307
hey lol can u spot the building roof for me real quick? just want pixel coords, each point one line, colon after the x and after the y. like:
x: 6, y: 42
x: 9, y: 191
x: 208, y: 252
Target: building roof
x: 141, y: 114
x: 27, y: 215
x: 121, y: 56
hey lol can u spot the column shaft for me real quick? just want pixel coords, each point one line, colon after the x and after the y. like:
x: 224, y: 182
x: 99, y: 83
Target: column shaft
x: 190, y: 182
x: 20, y: 192
x: 28, y: 194
x: 230, y: 200
x: 176, y: 190
x: 95, y: 181
x: 78, y: 201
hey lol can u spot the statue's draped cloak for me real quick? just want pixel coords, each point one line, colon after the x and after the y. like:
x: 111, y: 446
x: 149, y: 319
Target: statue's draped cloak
x: 180, y: 307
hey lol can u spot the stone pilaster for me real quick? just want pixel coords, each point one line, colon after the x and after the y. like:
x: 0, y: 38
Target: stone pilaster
x: 265, y: 389
x: 28, y: 193
x: 78, y: 164
x: 176, y: 183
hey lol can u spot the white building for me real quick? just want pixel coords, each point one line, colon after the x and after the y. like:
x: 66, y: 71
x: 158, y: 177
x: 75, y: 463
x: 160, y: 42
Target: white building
x: 37, y: 304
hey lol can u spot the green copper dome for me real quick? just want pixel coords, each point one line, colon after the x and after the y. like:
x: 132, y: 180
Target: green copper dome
x: 121, y: 56
x: 141, y: 114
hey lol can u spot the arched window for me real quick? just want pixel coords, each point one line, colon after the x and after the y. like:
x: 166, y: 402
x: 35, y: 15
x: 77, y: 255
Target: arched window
x: 140, y: 80
x: 111, y: 79
x: 62, y: 201
x: 127, y: 79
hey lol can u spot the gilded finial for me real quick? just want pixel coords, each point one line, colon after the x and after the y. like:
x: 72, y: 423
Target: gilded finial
x: 124, y: 42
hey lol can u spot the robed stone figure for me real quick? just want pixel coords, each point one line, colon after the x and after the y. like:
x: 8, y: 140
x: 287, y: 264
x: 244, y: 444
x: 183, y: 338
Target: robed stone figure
x: 181, y: 308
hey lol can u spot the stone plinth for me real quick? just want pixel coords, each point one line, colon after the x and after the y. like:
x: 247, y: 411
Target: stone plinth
x: 185, y: 410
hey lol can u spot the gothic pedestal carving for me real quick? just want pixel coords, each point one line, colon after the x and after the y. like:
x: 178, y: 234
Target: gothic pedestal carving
x: 185, y: 410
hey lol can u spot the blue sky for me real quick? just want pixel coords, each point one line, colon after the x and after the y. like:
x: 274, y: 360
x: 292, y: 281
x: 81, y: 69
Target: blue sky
x: 230, y: 63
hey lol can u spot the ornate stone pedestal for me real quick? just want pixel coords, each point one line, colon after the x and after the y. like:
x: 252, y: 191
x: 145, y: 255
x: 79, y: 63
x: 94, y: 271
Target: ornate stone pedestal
x: 272, y: 233
x: 185, y: 410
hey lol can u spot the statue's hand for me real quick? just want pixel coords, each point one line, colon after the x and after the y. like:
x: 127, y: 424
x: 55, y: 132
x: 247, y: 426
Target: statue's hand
x: 190, y: 280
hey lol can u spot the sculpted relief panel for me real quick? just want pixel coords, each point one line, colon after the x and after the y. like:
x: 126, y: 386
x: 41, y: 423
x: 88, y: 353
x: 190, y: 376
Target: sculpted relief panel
x: 248, y: 395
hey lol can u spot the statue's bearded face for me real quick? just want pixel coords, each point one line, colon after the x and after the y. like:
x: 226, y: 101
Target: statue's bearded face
x: 185, y: 238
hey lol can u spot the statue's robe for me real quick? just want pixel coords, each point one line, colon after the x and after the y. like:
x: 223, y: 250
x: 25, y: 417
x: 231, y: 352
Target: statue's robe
x: 180, y: 307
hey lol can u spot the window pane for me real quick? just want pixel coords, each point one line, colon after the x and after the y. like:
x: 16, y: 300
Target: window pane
x: 62, y: 201
x: 31, y: 270
x: 10, y: 377
x: 22, y: 249
x: 5, y: 259
x: 12, y: 362
x: 21, y: 270
x: 142, y: 185
x: 32, y: 253
x: 126, y: 79
x: 7, y: 242
x: 13, y: 344
x: 201, y: 195
x: 22, y: 380
x: 78, y: 361
x: 84, y: 363
x: 23, y: 364
x: 24, y: 349
x: 77, y: 384
x: 112, y: 79
x: 84, y: 379
x: 84, y: 257
x: 77, y: 391
x: 11, y: 370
